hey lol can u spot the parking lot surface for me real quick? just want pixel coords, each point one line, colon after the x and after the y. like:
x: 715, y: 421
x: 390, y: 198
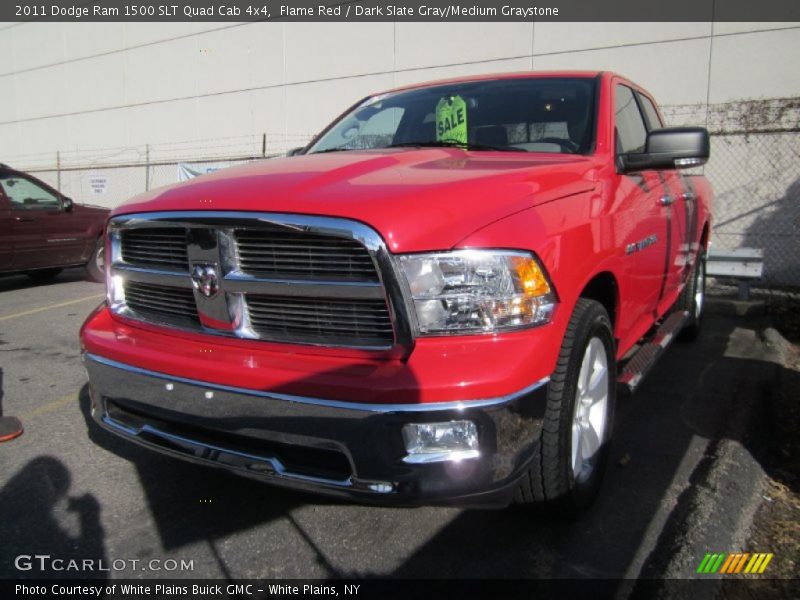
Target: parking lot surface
x: 70, y: 490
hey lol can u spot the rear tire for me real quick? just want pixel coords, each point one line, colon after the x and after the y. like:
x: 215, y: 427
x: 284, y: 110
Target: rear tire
x: 43, y: 275
x: 95, y: 268
x: 692, y: 299
x: 572, y: 450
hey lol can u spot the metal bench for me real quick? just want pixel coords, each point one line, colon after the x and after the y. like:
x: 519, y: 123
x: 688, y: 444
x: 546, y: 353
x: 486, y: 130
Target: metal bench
x: 744, y: 264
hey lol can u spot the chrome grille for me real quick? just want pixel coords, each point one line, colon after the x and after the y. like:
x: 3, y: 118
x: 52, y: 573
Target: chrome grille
x: 292, y: 255
x: 165, y: 304
x: 277, y: 277
x: 163, y: 247
x: 349, y: 322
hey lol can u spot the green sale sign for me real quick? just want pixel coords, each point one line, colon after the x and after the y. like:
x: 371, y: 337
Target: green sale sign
x: 451, y: 120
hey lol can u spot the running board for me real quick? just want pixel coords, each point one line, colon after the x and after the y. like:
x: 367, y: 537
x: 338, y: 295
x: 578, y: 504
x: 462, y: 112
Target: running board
x: 637, y: 368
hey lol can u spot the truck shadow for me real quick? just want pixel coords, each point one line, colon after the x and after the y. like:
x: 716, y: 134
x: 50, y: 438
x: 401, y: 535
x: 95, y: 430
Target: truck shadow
x: 774, y: 229
x: 9, y: 283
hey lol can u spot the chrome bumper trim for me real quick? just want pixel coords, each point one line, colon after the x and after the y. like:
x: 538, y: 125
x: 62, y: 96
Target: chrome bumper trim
x: 374, y: 408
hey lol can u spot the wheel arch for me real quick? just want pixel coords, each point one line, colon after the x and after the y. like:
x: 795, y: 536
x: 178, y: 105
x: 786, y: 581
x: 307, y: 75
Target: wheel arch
x: 604, y: 288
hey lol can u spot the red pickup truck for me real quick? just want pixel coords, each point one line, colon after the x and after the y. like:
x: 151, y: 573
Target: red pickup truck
x: 434, y: 301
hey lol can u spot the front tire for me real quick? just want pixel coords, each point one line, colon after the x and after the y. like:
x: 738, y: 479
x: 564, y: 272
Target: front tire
x: 95, y: 268
x: 572, y: 451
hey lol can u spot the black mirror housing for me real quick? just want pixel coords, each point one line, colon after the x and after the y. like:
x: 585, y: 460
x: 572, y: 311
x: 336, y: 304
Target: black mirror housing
x: 294, y: 151
x: 67, y: 203
x: 671, y: 148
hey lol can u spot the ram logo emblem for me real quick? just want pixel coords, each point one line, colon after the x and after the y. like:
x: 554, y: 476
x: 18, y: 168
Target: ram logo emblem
x: 205, y: 280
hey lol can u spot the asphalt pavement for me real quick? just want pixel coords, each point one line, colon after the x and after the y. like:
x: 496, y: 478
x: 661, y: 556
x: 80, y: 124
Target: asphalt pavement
x: 684, y: 476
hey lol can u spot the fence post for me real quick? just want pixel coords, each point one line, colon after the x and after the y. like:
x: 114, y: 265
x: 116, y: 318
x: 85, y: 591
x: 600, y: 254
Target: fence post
x: 147, y: 167
x: 263, y: 145
x: 58, y: 170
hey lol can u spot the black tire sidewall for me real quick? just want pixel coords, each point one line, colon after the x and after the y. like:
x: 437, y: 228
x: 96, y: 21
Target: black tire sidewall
x: 594, y: 323
x: 94, y: 273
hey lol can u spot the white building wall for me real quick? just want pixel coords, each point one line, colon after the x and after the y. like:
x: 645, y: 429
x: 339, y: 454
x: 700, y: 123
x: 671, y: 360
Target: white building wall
x: 81, y: 86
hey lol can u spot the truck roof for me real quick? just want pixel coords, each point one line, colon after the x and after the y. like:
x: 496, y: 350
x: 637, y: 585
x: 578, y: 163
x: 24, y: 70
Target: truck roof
x: 491, y: 76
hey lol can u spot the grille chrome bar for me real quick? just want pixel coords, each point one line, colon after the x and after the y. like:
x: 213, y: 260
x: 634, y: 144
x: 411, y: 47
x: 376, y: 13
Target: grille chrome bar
x: 281, y: 277
x: 239, y: 282
x: 156, y: 277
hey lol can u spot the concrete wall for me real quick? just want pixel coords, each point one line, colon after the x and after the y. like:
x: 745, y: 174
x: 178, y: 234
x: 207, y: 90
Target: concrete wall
x: 83, y: 86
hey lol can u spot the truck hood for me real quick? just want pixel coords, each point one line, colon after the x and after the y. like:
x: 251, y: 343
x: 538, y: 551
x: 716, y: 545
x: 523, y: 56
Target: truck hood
x: 417, y: 199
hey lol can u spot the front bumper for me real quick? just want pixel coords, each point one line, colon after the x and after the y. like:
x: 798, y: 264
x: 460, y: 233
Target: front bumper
x: 330, y: 446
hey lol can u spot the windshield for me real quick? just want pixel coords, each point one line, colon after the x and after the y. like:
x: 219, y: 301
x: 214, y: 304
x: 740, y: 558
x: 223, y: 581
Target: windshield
x: 522, y: 115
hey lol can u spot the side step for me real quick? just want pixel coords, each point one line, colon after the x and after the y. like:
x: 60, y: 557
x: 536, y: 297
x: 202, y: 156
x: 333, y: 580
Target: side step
x: 640, y: 363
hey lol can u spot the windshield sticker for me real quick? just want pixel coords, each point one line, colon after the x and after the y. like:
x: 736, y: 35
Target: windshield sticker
x: 451, y: 120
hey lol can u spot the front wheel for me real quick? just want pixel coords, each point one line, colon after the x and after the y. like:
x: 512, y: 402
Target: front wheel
x: 572, y: 449
x: 95, y: 268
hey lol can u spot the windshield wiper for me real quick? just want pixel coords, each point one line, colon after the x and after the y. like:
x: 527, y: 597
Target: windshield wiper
x: 338, y: 149
x: 453, y: 144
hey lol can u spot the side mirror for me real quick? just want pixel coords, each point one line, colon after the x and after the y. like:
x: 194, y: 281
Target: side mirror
x: 671, y: 148
x: 295, y: 151
x: 67, y: 204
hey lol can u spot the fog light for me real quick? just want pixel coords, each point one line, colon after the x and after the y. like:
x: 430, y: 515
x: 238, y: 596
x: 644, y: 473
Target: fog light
x: 437, y: 442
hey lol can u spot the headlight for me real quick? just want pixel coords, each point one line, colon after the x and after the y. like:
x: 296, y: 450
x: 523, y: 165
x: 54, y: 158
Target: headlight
x: 115, y: 292
x: 477, y: 291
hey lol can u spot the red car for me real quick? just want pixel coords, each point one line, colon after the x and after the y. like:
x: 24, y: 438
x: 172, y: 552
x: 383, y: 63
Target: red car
x: 434, y: 301
x: 43, y: 231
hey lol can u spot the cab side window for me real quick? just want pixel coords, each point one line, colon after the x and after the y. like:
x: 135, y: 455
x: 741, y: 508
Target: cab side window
x: 630, y: 128
x: 23, y: 194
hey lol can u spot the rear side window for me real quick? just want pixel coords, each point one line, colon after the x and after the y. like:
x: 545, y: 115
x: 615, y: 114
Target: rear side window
x: 631, y: 132
x: 650, y: 113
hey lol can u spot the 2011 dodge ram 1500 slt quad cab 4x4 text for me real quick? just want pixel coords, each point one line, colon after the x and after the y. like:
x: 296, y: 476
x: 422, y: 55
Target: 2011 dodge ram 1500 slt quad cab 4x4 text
x: 434, y: 301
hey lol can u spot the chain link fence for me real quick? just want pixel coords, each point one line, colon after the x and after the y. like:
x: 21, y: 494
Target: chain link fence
x: 756, y: 179
x: 109, y: 176
x: 755, y: 173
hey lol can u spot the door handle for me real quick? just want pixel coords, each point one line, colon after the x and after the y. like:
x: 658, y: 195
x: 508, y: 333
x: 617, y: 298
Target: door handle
x: 666, y: 200
x: 24, y: 219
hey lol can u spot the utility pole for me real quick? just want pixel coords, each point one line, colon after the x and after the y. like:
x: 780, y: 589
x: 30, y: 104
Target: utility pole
x: 147, y: 167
